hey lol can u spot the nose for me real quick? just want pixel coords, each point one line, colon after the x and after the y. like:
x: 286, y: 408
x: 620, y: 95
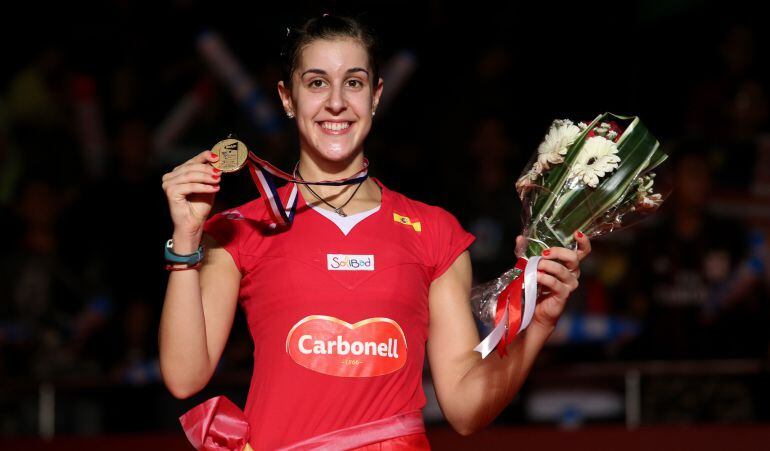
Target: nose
x: 336, y: 103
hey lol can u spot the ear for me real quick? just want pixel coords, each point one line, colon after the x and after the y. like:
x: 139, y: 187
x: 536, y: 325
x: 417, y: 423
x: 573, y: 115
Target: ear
x: 377, y: 94
x: 285, y: 94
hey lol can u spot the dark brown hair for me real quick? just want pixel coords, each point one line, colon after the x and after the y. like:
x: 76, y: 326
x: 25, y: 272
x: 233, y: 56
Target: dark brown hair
x: 328, y: 26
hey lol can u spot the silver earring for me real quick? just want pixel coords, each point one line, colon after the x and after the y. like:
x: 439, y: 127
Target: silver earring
x: 372, y: 113
x: 289, y: 114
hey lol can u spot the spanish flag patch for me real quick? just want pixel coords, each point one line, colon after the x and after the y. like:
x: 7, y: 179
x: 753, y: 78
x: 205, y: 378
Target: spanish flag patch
x: 406, y: 221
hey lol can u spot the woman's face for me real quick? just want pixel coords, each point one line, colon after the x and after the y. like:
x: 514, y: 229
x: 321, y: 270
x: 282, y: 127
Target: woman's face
x: 332, y: 97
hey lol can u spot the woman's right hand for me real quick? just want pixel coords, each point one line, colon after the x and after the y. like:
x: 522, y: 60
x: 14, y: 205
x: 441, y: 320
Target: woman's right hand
x: 190, y: 190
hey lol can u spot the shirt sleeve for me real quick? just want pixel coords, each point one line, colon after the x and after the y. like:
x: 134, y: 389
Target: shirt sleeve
x: 225, y: 227
x: 448, y: 241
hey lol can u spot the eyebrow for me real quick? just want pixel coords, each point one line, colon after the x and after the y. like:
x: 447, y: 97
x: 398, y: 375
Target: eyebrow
x: 323, y: 72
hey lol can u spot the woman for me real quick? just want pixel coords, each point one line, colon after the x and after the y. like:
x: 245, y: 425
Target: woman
x: 340, y: 307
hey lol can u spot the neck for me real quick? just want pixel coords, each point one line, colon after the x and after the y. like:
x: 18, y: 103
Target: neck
x: 315, y: 169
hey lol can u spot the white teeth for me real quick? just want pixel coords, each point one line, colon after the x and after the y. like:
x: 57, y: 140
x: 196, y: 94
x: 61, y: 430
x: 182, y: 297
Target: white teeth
x: 335, y: 126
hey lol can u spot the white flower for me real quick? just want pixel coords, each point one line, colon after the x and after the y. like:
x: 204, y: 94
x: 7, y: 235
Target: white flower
x: 596, y: 159
x: 560, y: 136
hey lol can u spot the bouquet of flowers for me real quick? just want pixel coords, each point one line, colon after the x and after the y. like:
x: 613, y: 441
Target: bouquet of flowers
x: 583, y: 177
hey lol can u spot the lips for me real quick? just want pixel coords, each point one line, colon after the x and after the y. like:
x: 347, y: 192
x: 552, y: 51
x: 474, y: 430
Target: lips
x: 335, y: 127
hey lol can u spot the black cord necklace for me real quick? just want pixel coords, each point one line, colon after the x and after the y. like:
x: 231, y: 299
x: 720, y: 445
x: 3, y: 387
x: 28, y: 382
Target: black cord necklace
x: 337, y: 210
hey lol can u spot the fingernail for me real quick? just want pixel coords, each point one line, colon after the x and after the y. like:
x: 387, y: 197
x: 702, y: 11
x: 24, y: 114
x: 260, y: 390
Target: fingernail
x: 580, y: 234
x: 213, y: 155
x: 216, y: 176
x: 547, y: 252
x: 217, y: 170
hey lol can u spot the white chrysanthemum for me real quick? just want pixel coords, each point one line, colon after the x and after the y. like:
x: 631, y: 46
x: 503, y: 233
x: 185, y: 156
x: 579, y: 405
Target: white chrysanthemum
x: 560, y: 136
x: 596, y: 159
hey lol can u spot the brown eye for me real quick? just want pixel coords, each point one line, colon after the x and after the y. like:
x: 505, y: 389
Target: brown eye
x: 355, y: 83
x: 317, y: 83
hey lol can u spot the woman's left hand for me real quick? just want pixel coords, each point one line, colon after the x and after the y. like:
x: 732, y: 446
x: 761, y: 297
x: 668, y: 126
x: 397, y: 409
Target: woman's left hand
x: 557, y: 277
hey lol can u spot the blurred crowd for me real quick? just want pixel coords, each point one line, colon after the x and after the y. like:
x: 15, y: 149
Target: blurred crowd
x: 86, y: 133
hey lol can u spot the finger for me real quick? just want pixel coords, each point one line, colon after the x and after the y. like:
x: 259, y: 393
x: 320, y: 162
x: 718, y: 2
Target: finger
x: 584, y: 244
x: 206, y: 156
x: 192, y: 188
x: 200, y: 167
x: 196, y: 176
x: 192, y: 177
x: 560, y: 272
x: 558, y: 289
x: 567, y: 257
x: 521, y: 246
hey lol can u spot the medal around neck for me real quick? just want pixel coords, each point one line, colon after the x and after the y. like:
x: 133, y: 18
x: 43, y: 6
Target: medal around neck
x: 232, y: 155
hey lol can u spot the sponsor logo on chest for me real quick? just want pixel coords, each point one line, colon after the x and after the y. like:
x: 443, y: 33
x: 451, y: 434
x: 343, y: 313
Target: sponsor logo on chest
x: 349, y: 262
x: 329, y: 345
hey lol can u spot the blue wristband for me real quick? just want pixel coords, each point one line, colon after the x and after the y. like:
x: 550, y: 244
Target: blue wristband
x: 190, y: 259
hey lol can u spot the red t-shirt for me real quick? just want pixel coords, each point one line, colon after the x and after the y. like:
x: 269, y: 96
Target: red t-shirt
x: 339, y: 322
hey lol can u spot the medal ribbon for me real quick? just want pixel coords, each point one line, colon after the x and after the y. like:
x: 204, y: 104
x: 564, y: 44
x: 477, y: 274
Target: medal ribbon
x: 281, y: 212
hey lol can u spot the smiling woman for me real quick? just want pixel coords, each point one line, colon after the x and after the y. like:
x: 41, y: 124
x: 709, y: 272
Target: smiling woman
x: 331, y: 86
x: 309, y: 315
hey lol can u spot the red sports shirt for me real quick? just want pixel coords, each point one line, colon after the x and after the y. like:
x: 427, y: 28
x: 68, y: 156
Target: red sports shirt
x: 339, y: 322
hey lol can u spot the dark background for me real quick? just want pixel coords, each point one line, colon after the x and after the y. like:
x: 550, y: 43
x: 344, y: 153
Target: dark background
x: 85, y: 219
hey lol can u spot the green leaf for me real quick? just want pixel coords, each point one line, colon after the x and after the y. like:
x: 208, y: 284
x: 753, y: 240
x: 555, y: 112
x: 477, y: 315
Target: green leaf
x: 558, y: 211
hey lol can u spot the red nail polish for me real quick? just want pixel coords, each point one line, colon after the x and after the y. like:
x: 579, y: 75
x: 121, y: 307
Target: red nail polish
x: 213, y: 155
x: 216, y: 171
x: 547, y: 252
x: 216, y: 176
x: 580, y: 235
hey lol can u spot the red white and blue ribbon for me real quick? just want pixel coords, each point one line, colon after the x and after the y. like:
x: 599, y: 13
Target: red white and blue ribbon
x: 282, y: 210
x: 514, y: 311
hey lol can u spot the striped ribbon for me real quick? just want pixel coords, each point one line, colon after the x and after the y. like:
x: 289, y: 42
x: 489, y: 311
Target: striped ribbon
x: 514, y: 311
x: 282, y: 211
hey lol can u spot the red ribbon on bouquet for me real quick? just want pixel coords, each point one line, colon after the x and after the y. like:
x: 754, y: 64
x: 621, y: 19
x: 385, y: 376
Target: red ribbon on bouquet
x: 217, y: 425
x: 511, y: 297
x: 515, y: 308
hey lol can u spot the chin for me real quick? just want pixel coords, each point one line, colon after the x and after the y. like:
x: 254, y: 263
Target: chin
x: 336, y: 154
x: 336, y: 151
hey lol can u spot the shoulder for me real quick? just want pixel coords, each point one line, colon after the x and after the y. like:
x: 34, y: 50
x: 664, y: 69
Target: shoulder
x: 251, y: 209
x: 229, y: 224
x: 429, y: 213
x: 439, y: 230
x: 233, y: 228
x: 441, y: 236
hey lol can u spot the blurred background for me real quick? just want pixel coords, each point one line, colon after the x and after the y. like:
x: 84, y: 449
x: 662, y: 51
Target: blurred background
x: 665, y: 343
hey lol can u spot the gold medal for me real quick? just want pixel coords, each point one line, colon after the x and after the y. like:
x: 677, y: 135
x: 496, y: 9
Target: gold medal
x: 232, y: 155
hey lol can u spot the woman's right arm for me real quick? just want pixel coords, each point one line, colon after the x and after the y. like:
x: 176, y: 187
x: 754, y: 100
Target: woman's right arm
x: 199, y: 306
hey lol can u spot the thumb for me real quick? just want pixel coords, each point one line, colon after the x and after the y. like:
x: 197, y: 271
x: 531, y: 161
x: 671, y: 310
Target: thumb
x: 521, y: 246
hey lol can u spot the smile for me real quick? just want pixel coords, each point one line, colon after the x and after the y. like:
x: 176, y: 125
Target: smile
x: 335, y: 128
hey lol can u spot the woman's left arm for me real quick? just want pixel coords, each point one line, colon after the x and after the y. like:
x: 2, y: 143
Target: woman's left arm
x: 472, y: 391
